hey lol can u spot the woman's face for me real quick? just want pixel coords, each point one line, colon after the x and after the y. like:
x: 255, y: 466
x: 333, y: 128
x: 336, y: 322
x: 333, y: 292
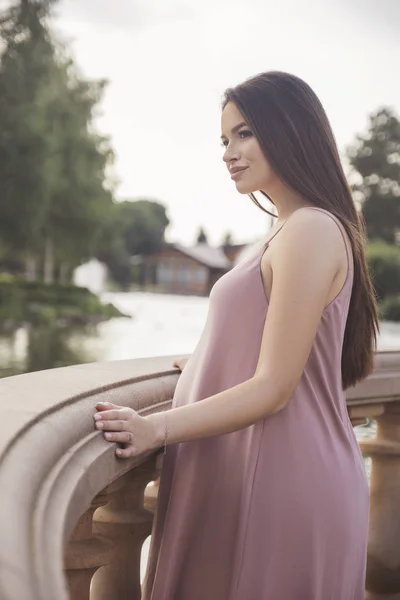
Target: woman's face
x: 242, y: 151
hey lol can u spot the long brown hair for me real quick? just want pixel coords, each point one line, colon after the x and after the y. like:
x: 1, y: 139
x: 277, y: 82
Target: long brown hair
x: 296, y: 138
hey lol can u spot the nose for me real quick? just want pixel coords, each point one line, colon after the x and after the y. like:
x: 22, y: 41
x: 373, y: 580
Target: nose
x: 230, y: 155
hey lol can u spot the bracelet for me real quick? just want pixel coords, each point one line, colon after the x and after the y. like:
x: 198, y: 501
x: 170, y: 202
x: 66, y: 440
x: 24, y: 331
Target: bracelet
x: 165, y: 433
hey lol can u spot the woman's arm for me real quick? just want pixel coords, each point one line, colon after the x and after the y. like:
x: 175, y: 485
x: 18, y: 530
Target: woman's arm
x: 304, y: 266
x: 304, y: 263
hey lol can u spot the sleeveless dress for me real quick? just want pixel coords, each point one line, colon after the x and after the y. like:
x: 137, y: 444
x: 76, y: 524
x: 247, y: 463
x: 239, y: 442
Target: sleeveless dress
x: 278, y: 510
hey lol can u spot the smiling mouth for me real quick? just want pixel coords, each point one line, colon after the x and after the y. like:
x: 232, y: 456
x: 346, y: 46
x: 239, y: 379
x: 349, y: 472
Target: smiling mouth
x: 237, y: 174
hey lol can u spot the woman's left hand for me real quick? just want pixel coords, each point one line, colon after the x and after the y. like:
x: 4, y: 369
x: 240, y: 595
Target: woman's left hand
x: 124, y: 425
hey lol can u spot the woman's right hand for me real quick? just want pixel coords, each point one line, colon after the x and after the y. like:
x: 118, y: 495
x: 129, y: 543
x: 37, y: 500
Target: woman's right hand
x: 180, y: 363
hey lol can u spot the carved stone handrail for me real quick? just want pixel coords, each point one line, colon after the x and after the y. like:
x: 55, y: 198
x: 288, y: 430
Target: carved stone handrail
x: 56, y: 472
x: 53, y: 463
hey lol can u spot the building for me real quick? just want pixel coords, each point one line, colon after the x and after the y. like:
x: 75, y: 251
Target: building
x: 93, y: 275
x: 178, y: 269
x: 233, y: 251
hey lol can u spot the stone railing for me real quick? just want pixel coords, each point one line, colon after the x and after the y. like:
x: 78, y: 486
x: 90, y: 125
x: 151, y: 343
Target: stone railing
x: 73, y: 518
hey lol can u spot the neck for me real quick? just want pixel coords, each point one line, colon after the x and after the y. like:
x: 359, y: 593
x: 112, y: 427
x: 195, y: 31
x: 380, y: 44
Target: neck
x: 286, y: 201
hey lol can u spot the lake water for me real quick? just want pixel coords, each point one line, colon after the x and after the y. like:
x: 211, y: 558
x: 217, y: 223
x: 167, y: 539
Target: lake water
x: 158, y: 325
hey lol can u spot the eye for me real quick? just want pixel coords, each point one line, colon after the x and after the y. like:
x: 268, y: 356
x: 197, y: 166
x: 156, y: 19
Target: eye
x: 244, y: 133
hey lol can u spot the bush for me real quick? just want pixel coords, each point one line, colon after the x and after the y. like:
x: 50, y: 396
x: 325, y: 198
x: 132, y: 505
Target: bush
x: 389, y: 309
x: 6, y: 277
x: 40, y: 303
x: 11, y: 301
x: 384, y: 262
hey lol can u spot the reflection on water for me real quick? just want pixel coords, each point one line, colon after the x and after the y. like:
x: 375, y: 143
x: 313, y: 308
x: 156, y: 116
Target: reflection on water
x: 159, y: 325
x: 36, y: 349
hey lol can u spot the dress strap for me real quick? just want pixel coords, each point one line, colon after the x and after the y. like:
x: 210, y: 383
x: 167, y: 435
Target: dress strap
x: 340, y: 226
x: 267, y: 243
x: 338, y: 223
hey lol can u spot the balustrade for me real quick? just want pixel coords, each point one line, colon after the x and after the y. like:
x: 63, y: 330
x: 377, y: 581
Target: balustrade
x: 73, y: 518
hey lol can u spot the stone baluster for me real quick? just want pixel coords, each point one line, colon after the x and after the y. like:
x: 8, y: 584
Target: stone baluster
x: 126, y: 523
x: 151, y: 491
x: 151, y: 495
x: 383, y: 565
x: 85, y: 553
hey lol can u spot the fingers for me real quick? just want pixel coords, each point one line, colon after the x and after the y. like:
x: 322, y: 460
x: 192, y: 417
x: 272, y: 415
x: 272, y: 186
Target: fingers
x: 114, y: 425
x: 124, y: 452
x: 106, y: 405
x: 122, y: 437
x: 113, y: 420
x: 109, y: 415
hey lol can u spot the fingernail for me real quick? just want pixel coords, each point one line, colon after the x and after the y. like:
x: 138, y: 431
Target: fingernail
x: 97, y: 416
x: 99, y: 425
x: 118, y: 452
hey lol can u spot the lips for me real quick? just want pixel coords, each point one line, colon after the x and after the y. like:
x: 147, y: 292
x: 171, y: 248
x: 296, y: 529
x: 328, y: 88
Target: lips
x: 236, y: 173
x: 236, y: 170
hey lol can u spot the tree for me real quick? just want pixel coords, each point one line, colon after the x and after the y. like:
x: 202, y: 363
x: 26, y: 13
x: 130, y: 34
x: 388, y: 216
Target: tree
x: 376, y: 158
x: 133, y: 228
x: 81, y: 201
x: 144, y: 222
x: 384, y: 262
x: 53, y: 163
x: 202, y: 236
x: 27, y: 164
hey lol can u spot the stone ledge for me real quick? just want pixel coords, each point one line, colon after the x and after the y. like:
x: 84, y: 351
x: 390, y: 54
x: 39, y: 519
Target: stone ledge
x: 53, y: 463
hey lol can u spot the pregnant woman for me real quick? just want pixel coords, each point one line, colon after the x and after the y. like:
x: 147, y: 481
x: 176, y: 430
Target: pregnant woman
x: 263, y: 494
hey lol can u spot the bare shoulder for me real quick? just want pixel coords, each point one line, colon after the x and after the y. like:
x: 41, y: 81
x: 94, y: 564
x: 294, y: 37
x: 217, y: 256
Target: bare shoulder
x: 309, y: 243
x: 315, y: 223
x: 311, y: 234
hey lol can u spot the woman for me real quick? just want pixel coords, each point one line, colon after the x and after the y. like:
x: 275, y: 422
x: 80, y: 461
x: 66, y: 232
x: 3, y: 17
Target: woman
x: 263, y: 494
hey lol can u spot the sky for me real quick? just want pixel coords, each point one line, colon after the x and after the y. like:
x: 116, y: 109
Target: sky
x: 168, y: 63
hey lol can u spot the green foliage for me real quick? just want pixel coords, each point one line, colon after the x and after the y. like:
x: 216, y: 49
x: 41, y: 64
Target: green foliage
x: 56, y: 205
x: 144, y: 223
x: 133, y: 228
x: 53, y: 164
x: 389, y: 309
x: 39, y: 303
x: 11, y: 301
x: 384, y: 262
x: 26, y: 68
x: 376, y: 158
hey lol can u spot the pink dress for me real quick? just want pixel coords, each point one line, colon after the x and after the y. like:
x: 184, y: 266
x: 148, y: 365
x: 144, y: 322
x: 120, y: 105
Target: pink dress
x: 276, y: 511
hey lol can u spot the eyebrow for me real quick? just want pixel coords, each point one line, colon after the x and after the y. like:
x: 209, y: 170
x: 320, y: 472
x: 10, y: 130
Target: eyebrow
x: 235, y: 129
